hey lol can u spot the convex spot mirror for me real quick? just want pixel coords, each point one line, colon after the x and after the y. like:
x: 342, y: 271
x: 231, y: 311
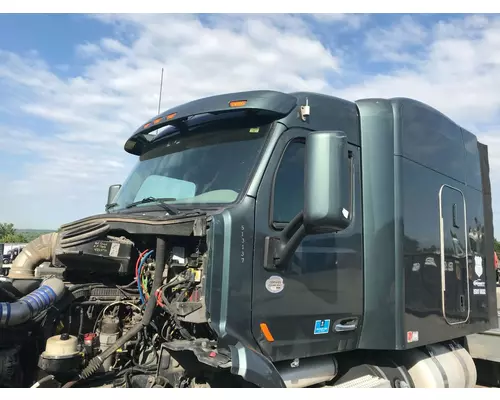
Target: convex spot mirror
x: 327, y: 183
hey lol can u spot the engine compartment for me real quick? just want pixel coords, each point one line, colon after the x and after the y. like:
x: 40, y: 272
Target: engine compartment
x: 130, y: 311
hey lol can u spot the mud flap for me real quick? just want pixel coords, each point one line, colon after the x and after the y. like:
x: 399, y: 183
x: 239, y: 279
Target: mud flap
x: 254, y: 368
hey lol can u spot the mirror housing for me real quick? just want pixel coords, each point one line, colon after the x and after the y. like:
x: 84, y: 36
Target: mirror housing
x: 112, y: 192
x: 326, y: 183
x: 327, y: 198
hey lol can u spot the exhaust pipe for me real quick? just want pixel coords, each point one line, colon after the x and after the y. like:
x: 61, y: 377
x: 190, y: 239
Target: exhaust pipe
x: 29, y: 306
x: 36, y: 252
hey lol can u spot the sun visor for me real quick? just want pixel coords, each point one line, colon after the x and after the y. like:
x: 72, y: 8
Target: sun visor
x: 270, y: 102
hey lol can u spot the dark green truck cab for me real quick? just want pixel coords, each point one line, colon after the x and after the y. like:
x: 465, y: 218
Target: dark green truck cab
x: 335, y: 242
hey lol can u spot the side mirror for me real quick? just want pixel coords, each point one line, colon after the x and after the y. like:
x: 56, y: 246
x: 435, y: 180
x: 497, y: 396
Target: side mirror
x: 326, y: 186
x: 326, y: 198
x: 112, y: 192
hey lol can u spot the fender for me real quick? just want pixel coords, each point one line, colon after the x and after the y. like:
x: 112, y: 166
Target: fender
x: 254, y: 367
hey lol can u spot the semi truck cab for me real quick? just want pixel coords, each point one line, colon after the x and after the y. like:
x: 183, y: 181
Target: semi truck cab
x: 302, y: 238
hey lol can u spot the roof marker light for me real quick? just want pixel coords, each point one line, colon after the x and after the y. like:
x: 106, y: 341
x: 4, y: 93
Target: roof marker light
x: 237, y: 103
x: 171, y: 116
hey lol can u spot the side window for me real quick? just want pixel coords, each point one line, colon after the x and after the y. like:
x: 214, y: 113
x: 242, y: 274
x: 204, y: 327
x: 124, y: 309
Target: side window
x: 288, y: 195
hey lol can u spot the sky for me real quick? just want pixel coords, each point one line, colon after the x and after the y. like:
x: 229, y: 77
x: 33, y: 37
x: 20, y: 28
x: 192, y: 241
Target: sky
x: 74, y: 87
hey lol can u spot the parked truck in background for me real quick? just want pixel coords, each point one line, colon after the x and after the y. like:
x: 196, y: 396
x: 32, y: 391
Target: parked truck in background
x: 267, y: 239
x: 9, y: 252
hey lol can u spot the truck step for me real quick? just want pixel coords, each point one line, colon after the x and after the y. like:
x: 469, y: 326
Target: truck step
x: 364, y: 382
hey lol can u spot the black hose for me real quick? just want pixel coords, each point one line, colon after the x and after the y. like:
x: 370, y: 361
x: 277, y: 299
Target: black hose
x: 158, y: 277
x: 106, y: 376
x: 20, y: 287
x: 43, y: 380
x: 80, y: 326
x: 8, y: 294
x: 97, y: 361
x: 85, y: 286
x: 34, y: 303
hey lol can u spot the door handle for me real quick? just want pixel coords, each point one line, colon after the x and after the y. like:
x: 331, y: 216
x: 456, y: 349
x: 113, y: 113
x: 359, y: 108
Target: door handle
x: 454, y: 211
x: 462, y: 302
x: 346, y: 325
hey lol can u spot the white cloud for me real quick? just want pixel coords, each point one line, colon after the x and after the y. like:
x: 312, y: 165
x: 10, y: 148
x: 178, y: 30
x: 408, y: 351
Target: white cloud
x: 451, y: 65
x: 351, y: 21
x: 92, y: 115
x: 453, y: 68
x: 455, y: 71
x: 398, y: 42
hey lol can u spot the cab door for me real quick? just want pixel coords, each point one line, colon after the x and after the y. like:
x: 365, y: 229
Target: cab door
x: 314, y: 306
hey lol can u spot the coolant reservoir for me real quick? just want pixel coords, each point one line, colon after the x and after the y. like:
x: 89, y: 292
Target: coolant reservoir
x: 61, y: 346
x: 61, y: 357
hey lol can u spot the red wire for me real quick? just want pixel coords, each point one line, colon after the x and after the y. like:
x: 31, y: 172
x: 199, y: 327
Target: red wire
x: 158, y: 293
x: 158, y: 297
x: 138, y: 261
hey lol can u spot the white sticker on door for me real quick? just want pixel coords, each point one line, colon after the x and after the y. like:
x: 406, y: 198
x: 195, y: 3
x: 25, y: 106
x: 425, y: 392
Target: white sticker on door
x: 275, y: 284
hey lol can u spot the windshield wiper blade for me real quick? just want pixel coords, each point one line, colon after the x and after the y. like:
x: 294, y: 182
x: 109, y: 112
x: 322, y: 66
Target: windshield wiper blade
x: 110, y: 205
x: 160, y: 201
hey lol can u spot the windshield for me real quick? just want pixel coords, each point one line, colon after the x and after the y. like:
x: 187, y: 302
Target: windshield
x: 203, y: 166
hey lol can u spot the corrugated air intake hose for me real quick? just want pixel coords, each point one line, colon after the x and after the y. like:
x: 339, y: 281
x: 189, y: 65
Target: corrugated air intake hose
x: 36, y: 252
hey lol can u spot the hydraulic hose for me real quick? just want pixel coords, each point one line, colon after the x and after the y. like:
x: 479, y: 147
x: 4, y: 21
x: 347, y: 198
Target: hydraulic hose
x: 97, y: 361
x: 31, y: 305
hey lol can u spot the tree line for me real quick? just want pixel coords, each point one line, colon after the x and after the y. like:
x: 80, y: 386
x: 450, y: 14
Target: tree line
x: 9, y: 234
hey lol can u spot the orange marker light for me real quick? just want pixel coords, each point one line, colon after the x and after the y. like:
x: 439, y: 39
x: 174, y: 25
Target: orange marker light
x: 157, y: 120
x: 147, y: 125
x: 266, y: 332
x: 171, y: 116
x: 237, y: 103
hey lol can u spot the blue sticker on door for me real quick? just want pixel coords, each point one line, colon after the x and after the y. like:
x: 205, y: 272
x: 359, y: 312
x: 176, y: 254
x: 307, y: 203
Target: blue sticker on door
x: 321, y: 326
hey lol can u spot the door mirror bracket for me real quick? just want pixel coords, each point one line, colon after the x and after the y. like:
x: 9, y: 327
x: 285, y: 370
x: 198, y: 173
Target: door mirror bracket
x: 279, y: 250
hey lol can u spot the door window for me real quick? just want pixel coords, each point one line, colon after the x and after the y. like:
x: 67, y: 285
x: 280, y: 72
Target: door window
x: 288, y: 196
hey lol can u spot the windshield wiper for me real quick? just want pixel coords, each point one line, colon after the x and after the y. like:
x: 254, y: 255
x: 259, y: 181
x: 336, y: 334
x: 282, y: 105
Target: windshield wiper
x: 160, y: 201
x: 110, y: 205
